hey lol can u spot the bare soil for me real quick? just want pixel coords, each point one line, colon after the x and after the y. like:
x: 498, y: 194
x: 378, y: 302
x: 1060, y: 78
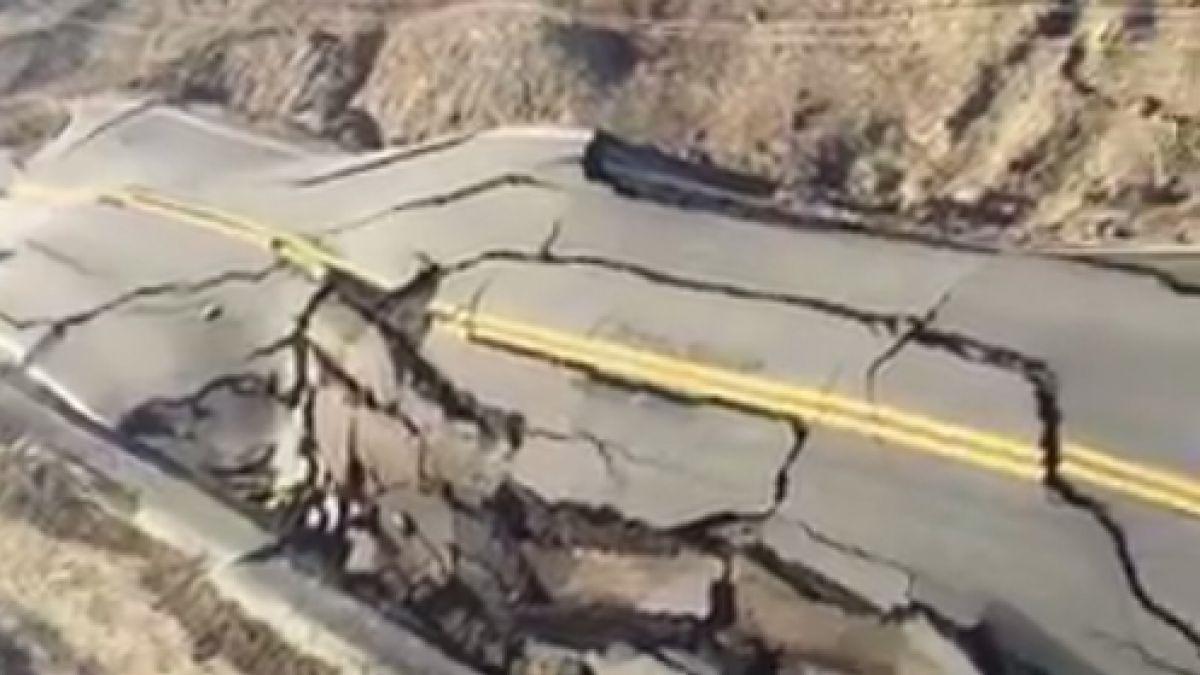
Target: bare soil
x: 1025, y: 122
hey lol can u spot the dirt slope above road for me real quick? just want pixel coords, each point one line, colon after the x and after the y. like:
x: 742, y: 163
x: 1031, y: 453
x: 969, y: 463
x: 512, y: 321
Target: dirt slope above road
x: 1025, y: 122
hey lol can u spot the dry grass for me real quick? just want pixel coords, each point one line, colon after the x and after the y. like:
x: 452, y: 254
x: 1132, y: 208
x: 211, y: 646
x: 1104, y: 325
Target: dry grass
x: 95, y: 603
x: 89, y: 594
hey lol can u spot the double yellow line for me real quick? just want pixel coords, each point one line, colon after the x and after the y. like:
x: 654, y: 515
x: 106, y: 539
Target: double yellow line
x: 901, y: 429
x: 897, y: 427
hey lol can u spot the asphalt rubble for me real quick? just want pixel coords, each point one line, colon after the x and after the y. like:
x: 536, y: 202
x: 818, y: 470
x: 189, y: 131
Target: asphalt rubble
x: 404, y: 502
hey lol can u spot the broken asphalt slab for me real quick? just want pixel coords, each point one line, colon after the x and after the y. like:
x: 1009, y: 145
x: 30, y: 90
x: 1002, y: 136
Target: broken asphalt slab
x: 1005, y: 344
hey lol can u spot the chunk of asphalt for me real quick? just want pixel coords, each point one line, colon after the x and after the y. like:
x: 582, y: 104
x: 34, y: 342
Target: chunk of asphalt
x: 676, y: 585
x: 828, y: 636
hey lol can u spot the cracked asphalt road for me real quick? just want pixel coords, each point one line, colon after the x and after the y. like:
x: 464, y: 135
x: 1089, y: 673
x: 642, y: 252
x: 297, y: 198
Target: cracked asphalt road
x: 953, y: 403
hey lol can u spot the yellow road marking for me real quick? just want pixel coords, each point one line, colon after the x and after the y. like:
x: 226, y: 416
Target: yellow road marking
x: 707, y: 383
x: 985, y: 450
x: 1147, y: 493
x: 997, y: 453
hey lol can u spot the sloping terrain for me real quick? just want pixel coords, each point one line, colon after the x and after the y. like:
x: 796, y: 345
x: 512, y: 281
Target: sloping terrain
x: 1020, y: 124
x: 1016, y: 122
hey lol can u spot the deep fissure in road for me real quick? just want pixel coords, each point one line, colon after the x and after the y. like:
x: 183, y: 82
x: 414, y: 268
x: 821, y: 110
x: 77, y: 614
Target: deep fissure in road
x: 906, y: 329
x: 425, y: 528
x: 401, y: 318
x: 57, y: 328
x: 1050, y: 413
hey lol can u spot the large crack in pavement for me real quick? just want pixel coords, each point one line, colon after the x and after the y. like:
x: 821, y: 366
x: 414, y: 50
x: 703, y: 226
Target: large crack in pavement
x: 1162, y: 277
x: 1043, y: 384
x: 906, y: 329
x: 58, y: 328
x: 475, y: 606
x: 620, y: 165
x: 438, y: 199
x: 1050, y: 414
x: 383, y: 160
x: 475, y: 559
x: 888, y: 323
x: 644, y: 172
x: 418, y: 521
x: 494, y: 423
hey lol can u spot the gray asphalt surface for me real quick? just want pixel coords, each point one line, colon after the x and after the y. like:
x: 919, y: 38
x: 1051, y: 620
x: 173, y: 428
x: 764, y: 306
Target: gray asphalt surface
x: 894, y: 524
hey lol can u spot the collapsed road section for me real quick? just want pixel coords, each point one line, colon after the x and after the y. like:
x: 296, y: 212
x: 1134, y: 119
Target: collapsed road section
x: 548, y: 427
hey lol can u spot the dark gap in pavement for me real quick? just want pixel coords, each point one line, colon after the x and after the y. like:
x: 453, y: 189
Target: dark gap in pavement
x: 494, y: 598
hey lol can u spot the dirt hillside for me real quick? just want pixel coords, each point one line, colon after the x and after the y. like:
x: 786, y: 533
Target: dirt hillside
x: 1015, y: 121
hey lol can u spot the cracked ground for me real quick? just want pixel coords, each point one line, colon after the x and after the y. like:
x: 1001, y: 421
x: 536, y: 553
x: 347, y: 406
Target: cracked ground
x: 404, y: 505
x: 545, y: 415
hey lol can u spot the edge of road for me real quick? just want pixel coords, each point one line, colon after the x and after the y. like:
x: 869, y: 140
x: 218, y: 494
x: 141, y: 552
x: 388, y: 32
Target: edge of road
x: 312, y: 617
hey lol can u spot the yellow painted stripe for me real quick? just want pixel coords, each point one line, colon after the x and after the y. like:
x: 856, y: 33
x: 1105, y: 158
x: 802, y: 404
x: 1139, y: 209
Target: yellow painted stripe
x: 299, y: 251
x: 982, y: 449
x: 313, y: 257
x: 684, y: 378
x: 755, y: 393
x: 1141, y: 491
x: 660, y: 369
x: 1100, y: 461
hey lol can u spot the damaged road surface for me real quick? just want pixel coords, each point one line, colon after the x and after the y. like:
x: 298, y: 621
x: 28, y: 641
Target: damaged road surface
x: 555, y: 403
